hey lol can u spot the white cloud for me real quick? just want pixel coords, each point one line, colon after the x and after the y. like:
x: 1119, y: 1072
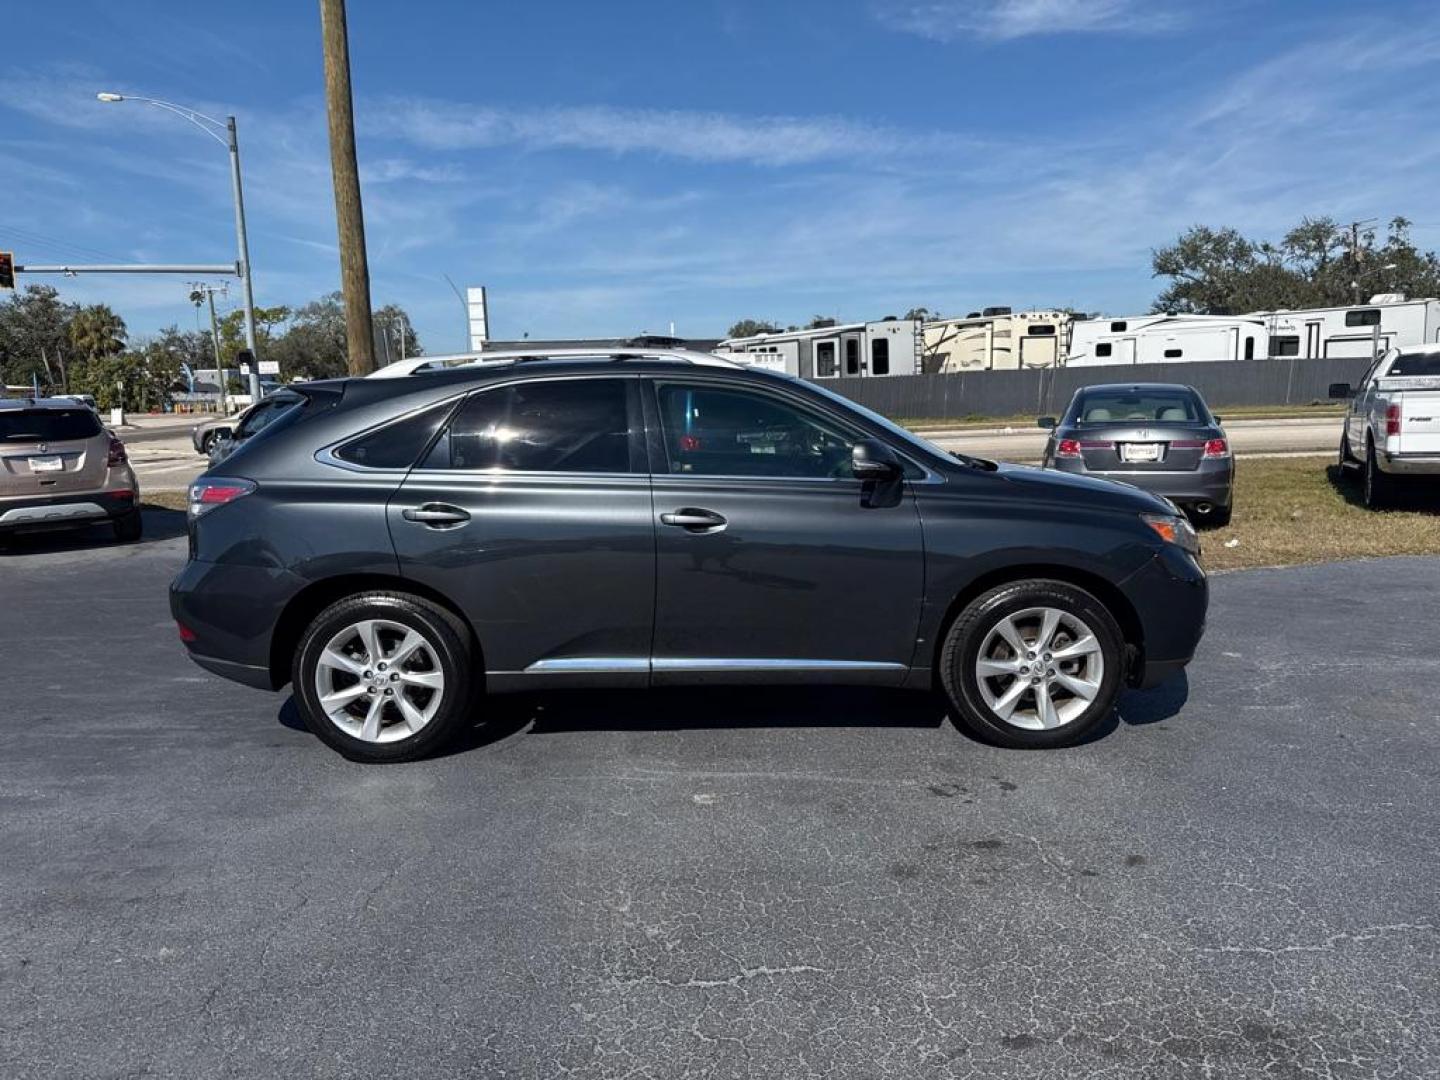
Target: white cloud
x: 953, y: 20
x: 695, y: 136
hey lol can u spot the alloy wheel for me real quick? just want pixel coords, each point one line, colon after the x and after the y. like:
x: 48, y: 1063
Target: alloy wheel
x: 1039, y: 668
x: 379, y: 681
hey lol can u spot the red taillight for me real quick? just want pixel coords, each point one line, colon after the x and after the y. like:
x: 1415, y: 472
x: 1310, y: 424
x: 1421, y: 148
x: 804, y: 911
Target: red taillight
x: 1067, y: 448
x: 123, y: 494
x: 690, y: 442
x: 186, y: 634
x: 206, y: 495
x: 1216, y: 448
x: 1392, y: 420
x: 117, y: 453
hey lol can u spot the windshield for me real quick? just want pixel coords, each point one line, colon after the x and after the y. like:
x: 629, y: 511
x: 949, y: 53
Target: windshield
x: 1150, y: 406
x: 48, y: 425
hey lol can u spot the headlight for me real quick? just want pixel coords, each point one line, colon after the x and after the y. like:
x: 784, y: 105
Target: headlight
x: 1174, y: 529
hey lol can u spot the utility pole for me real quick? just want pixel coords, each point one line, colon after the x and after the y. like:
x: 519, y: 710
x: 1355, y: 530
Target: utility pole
x: 209, y: 291
x: 349, y: 217
x: 1355, y: 257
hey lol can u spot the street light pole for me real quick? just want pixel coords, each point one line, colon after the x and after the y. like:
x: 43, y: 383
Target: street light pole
x: 211, y: 126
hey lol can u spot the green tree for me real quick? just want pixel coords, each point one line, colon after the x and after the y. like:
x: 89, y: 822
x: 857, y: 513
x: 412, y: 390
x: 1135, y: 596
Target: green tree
x: 232, y: 331
x: 395, y: 338
x: 820, y: 322
x: 142, y: 379
x: 749, y: 328
x: 96, y: 332
x: 33, y: 338
x: 1318, y: 263
x: 924, y: 314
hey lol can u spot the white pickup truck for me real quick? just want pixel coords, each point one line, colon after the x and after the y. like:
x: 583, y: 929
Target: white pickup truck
x: 1392, y: 428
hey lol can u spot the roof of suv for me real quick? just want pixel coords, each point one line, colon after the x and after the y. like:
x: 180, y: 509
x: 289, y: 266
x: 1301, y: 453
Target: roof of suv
x: 41, y: 403
x: 429, y: 365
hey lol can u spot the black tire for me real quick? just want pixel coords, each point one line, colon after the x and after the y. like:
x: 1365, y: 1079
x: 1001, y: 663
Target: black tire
x: 1376, y: 492
x: 972, y: 627
x: 129, y: 528
x: 207, y: 442
x: 454, y: 655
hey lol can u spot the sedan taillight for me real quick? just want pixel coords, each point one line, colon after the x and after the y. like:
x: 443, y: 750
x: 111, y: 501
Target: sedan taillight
x: 206, y: 495
x: 1068, y: 448
x: 116, y: 454
x: 1217, y: 448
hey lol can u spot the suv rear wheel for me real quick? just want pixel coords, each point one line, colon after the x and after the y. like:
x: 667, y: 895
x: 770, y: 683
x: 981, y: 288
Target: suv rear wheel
x: 1033, y: 665
x: 385, y: 677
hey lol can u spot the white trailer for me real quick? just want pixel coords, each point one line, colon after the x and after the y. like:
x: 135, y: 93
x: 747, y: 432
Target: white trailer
x: 1312, y: 333
x: 1159, y: 339
x: 854, y: 350
x: 1002, y: 341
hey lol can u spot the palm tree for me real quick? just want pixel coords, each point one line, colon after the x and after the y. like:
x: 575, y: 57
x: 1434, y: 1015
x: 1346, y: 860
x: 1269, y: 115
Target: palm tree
x: 96, y: 331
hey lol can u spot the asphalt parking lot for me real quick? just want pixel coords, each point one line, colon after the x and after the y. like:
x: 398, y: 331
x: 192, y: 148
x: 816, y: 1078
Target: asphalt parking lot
x: 1239, y: 879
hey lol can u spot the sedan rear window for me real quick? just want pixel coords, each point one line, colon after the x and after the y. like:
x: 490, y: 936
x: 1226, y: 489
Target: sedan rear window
x: 1151, y: 406
x: 48, y: 425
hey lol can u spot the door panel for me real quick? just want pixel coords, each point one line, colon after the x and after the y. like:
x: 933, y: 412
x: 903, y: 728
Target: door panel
x: 533, y: 513
x: 776, y: 559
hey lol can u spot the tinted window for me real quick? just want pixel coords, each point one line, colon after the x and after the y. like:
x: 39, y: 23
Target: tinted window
x: 396, y: 445
x: 1249, y: 348
x: 1285, y: 345
x: 1363, y: 317
x: 263, y: 415
x: 48, y: 425
x: 711, y: 431
x: 1040, y: 330
x: 880, y: 357
x: 1415, y: 364
x: 1152, y: 406
x: 852, y: 357
x: 568, y: 425
x: 825, y: 360
x: 1118, y: 327
x: 1104, y: 349
x: 1174, y: 354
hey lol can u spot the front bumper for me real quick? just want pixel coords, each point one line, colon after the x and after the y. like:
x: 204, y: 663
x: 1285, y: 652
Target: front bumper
x: 71, y: 510
x: 1213, y: 482
x: 1171, y: 598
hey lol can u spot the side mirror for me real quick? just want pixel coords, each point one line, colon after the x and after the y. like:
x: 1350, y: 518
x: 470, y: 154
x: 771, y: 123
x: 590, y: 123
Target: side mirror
x: 1049, y: 423
x: 1341, y: 390
x: 871, y: 459
x: 1217, y: 418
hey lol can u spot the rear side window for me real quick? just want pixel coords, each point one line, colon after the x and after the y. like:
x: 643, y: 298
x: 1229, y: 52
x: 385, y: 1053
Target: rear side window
x: 397, y: 445
x: 48, y: 425
x: 567, y: 425
x: 1363, y: 317
x: 880, y: 357
x: 1415, y: 365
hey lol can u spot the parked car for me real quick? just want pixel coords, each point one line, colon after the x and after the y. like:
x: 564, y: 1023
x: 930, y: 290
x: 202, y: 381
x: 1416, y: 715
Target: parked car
x: 1392, y: 428
x: 220, y: 437
x: 61, y: 468
x: 395, y: 548
x: 1158, y: 436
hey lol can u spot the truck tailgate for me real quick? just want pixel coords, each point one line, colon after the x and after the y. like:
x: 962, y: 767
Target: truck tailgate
x: 1419, y: 422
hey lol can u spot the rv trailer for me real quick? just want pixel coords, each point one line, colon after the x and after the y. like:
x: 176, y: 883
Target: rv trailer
x: 1159, y: 339
x: 855, y: 350
x: 1313, y: 333
x: 995, y: 340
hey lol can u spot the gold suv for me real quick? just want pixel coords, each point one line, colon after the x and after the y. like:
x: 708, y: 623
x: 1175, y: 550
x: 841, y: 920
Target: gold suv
x: 61, y: 468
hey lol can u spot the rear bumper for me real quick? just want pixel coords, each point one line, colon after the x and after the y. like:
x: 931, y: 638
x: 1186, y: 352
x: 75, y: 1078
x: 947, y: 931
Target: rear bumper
x: 71, y: 510
x: 232, y: 610
x: 1416, y: 464
x: 1212, y: 482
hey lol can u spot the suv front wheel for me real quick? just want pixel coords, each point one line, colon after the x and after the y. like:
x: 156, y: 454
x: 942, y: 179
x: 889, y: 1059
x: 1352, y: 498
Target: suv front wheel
x: 385, y: 677
x: 1033, y: 664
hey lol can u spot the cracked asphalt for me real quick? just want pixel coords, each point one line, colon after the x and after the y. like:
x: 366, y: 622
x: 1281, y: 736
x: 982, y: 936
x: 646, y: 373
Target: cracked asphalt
x: 1239, y: 879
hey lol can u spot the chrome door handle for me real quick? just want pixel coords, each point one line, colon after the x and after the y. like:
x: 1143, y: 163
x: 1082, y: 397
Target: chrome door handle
x: 694, y: 519
x: 436, y: 515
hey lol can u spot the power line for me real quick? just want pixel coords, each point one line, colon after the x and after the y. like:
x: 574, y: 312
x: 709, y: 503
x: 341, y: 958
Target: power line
x: 30, y: 236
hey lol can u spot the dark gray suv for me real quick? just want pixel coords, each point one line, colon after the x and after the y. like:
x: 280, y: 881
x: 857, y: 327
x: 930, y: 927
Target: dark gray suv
x: 398, y: 548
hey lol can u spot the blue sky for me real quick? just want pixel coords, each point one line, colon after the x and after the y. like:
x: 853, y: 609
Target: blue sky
x: 608, y: 168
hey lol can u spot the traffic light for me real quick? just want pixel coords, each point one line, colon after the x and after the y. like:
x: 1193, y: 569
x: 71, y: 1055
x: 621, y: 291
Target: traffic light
x: 7, y: 270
